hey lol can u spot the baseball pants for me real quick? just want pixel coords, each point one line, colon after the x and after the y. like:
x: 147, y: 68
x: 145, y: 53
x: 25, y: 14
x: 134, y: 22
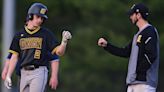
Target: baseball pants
x: 141, y: 88
x: 33, y: 80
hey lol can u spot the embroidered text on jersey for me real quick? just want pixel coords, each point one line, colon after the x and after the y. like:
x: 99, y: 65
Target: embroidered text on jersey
x: 32, y: 42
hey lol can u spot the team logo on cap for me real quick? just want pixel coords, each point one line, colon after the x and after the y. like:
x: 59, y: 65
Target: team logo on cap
x: 43, y: 11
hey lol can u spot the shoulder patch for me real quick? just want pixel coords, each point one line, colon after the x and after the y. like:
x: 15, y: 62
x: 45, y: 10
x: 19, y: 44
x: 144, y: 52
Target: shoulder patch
x: 139, y: 38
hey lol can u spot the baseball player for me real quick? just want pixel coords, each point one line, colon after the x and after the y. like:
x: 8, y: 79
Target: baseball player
x: 143, y: 51
x: 54, y: 61
x: 30, y: 46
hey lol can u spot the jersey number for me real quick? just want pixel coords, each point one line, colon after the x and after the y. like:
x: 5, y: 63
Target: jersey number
x: 37, y: 54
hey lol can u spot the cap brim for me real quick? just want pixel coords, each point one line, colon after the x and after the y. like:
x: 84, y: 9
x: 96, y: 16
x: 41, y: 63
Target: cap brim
x: 42, y: 15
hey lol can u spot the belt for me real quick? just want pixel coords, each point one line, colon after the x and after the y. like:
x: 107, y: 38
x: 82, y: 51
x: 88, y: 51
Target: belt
x: 30, y: 67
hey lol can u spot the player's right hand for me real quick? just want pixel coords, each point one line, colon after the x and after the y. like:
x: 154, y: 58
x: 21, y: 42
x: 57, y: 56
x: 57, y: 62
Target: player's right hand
x: 8, y: 82
x: 4, y: 73
x: 102, y: 42
x: 66, y: 35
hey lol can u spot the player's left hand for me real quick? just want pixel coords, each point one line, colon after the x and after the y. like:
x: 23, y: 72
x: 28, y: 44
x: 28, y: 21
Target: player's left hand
x: 66, y: 35
x: 8, y: 82
x: 53, y: 82
x: 4, y: 73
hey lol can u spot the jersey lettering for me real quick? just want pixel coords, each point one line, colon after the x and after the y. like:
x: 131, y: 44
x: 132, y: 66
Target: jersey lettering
x: 37, y: 54
x: 29, y: 43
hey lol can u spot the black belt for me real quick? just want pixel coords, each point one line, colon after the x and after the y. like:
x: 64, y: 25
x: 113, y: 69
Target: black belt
x: 30, y: 67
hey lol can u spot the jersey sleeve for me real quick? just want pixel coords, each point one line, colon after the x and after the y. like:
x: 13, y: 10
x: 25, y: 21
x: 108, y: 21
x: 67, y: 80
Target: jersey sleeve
x: 151, y: 46
x: 53, y: 57
x: 14, y: 47
x: 9, y: 55
x: 122, y: 52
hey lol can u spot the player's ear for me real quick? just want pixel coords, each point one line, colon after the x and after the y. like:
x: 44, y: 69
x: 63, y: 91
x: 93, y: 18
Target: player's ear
x: 30, y: 16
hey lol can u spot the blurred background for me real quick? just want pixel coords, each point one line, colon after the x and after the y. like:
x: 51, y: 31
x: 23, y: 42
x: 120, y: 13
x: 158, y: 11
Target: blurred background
x: 86, y: 67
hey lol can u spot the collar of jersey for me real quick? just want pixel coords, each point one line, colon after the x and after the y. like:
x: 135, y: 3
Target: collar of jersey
x: 31, y: 32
